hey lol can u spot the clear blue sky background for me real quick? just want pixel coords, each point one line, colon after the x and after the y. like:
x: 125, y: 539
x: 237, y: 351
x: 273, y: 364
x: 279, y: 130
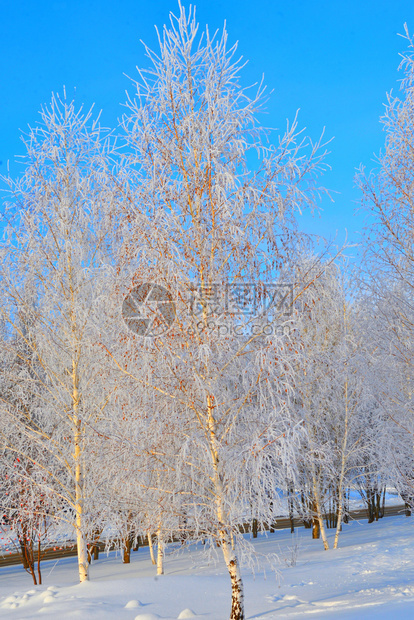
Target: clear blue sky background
x: 333, y: 59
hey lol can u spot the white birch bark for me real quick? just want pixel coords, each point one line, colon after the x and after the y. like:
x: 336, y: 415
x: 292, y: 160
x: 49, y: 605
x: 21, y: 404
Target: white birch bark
x: 160, y: 553
x: 237, y: 594
x: 344, y: 447
x: 151, y: 547
x: 317, y: 502
x: 230, y: 557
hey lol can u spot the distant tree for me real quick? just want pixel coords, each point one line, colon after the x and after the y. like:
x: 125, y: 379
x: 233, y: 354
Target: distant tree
x: 388, y: 197
x: 26, y: 507
x: 336, y: 397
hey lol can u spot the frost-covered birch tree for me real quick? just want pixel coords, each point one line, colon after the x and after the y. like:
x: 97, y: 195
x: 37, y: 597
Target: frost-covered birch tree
x: 388, y: 197
x: 60, y: 227
x: 210, y: 211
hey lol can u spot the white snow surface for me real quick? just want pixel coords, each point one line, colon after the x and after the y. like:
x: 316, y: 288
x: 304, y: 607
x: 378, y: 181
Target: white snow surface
x: 371, y: 575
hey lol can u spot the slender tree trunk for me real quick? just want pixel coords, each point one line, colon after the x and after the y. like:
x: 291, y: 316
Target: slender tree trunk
x: 290, y: 508
x: 237, y: 597
x: 383, y: 502
x: 377, y: 501
x: 38, y: 563
x: 94, y: 548
x: 160, y: 553
x: 230, y: 557
x: 82, y: 548
x: 316, y: 530
x: 33, y: 574
x: 343, y: 466
x: 151, y: 548
x: 183, y: 529
x: 126, y: 558
x: 370, y: 503
x: 23, y: 543
x: 338, y: 525
x: 137, y: 543
x: 317, y: 506
x: 128, y: 538
x: 254, y: 528
x: 29, y: 558
x: 271, y: 524
x: 345, y: 517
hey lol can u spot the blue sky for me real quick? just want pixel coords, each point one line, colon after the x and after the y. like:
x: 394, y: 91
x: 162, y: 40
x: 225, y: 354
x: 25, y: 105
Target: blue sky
x: 334, y: 60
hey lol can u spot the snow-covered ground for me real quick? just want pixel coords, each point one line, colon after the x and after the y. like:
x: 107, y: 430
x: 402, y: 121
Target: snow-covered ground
x: 370, y: 575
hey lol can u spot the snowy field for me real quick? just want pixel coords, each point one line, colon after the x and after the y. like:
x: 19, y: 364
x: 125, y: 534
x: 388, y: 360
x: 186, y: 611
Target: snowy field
x: 370, y: 576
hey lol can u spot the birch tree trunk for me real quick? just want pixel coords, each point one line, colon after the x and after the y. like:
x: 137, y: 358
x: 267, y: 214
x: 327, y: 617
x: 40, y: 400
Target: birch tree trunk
x: 160, y: 553
x: 339, y: 524
x: 319, y: 516
x: 342, y: 473
x: 237, y: 595
x: 126, y: 559
x: 230, y: 557
x: 82, y: 548
x: 151, y: 548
